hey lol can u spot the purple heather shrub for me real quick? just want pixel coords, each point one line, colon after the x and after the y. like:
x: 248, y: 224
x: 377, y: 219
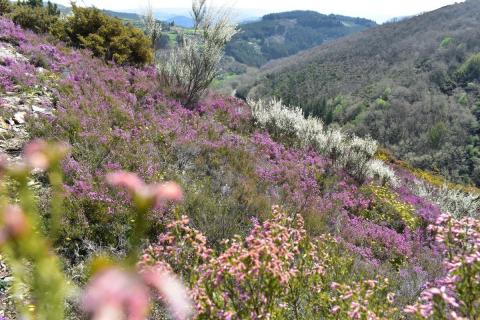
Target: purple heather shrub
x: 14, y: 73
x: 457, y: 294
x: 44, y: 55
x: 428, y: 211
x: 231, y: 111
x: 384, y: 242
x: 10, y: 32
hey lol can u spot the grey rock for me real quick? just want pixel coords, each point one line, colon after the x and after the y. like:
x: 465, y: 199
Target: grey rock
x: 19, y: 117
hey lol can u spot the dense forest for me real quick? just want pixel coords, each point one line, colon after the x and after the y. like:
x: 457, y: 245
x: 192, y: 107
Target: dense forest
x: 283, y: 34
x: 411, y: 85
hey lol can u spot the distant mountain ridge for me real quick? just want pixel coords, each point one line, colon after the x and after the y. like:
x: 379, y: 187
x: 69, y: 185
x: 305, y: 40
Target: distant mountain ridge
x: 413, y: 85
x: 181, y: 21
x: 279, y: 35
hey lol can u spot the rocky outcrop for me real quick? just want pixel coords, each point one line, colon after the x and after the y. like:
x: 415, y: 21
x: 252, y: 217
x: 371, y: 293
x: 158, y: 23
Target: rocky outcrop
x: 16, y: 107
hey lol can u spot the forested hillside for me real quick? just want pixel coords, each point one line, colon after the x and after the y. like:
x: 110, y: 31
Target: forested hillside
x: 283, y: 34
x: 412, y: 85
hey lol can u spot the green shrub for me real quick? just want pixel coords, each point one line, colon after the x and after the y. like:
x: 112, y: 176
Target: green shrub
x: 437, y: 133
x: 52, y: 9
x: 5, y: 7
x: 37, y: 19
x: 470, y: 70
x: 446, y: 42
x: 107, y: 37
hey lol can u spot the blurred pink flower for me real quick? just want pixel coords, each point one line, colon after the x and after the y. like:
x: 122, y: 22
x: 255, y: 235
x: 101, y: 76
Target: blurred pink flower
x: 127, y: 180
x: 158, y: 194
x: 35, y: 154
x: 116, y: 294
x: 14, y: 223
x: 40, y: 154
x: 171, y: 291
x: 165, y: 192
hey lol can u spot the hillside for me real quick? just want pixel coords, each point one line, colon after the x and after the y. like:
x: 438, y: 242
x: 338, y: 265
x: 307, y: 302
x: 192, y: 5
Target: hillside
x: 280, y: 217
x: 283, y: 34
x: 412, y: 85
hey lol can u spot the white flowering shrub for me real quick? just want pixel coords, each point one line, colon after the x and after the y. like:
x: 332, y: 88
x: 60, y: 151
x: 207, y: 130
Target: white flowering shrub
x: 153, y: 28
x: 191, y: 68
x: 456, y: 202
x: 377, y: 169
x: 354, y: 154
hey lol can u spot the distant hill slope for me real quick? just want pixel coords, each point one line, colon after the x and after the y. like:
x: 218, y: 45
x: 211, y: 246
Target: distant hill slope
x: 413, y: 85
x: 120, y: 15
x: 283, y: 34
x: 182, y: 21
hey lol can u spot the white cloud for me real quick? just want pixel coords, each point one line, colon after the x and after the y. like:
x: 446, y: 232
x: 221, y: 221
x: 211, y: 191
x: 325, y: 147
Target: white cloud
x: 379, y: 10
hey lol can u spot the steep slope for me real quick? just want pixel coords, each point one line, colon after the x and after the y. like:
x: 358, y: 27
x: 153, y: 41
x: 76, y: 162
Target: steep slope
x: 412, y: 85
x: 283, y: 34
x: 234, y: 161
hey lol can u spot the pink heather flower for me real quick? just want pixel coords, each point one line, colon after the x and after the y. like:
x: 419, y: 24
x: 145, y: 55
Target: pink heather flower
x: 116, y: 294
x: 14, y: 223
x: 410, y: 309
x: 39, y: 154
x: 127, y: 180
x: 455, y: 316
x: 171, y: 291
x: 158, y: 193
x: 371, y: 283
x: 335, y: 309
x: 36, y: 156
x: 168, y: 191
x: 334, y: 285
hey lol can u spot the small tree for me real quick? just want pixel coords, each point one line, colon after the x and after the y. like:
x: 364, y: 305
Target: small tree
x: 199, y: 12
x: 52, y: 9
x: 191, y: 68
x: 153, y: 28
x: 35, y: 3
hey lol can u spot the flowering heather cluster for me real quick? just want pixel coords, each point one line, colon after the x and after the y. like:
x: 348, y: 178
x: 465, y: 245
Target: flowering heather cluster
x: 9, y: 32
x: 457, y: 295
x: 276, y: 272
x: 14, y: 73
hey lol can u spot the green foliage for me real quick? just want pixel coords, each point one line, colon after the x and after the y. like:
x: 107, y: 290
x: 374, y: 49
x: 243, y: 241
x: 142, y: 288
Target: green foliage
x: 470, y: 70
x: 30, y: 3
x: 5, y: 7
x: 38, y: 19
x: 437, y: 133
x: 107, y: 37
x: 52, y: 9
x: 382, y: 103
x: 463, y: 99
x: 88, y: 28
x: 284, y: 34
x: 446, y: 42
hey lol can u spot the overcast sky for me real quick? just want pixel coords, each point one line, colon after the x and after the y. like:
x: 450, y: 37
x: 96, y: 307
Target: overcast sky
x: 379, y: 10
